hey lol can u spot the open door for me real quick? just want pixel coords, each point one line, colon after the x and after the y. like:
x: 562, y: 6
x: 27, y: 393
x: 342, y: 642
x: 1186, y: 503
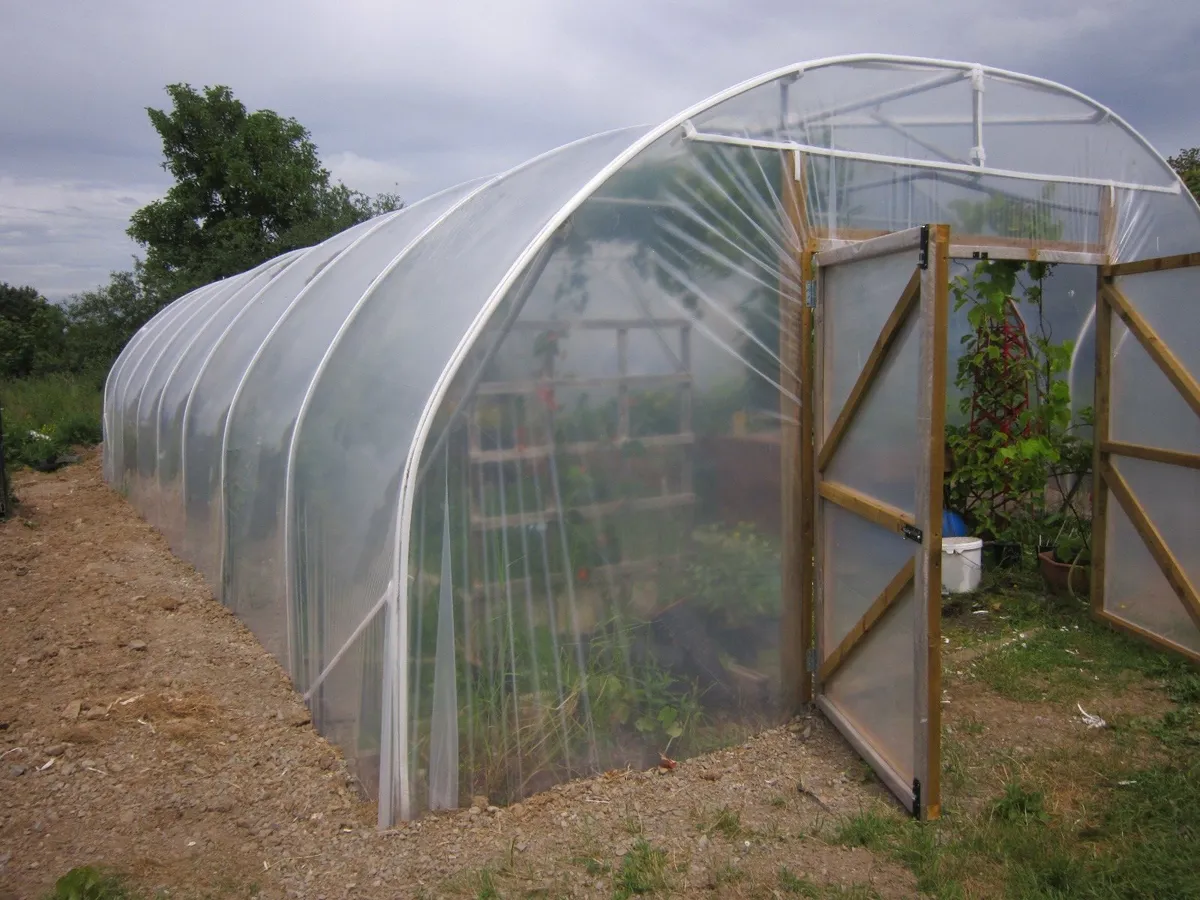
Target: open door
x: 1146, y: 560
x: 879, y: 421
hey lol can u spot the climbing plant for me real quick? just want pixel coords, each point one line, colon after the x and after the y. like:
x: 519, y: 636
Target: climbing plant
x: 1020, y: 436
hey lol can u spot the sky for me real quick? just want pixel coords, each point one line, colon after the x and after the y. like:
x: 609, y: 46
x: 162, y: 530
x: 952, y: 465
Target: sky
x: 415, y: 96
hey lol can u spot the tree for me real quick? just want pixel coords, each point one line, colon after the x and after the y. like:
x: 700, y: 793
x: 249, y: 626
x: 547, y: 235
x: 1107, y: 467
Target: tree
x: 31, y: 333
x: 248, y: 186
x: 100, y: 321
x: 1187, y: 164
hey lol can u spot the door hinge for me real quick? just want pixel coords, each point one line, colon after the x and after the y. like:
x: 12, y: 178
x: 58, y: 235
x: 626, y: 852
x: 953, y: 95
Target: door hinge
x: 810, y: 659
x: 912, y: 533
x: 917, y: 798
x: 923, y: 254
x: 810, y: 294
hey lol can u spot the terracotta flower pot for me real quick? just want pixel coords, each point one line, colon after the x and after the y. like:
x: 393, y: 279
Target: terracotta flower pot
x: 1064, y: 579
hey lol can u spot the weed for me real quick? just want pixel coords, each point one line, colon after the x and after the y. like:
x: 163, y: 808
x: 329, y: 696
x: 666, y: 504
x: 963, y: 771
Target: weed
x: 867, y: 829
x: 90, y: 883
x: 593, y: 865
x: 727, y: 874
x: 728, y: 822
x: 795, y: 885
x: 1019, y: 804
x: 487, y: 886
x: 632, y: 825
x: 779, y: 801
x: 643, y: 871
x: 970, y: 725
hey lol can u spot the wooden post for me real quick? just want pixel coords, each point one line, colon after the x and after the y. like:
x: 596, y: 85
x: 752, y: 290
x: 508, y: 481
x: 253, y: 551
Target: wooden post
x: 935, y: 315
x: 807, y: 495
x: 1101, y: 400
x: 817, y: 391
x: 795, y: 446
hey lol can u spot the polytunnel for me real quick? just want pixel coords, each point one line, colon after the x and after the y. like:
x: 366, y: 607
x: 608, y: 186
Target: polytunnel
x: 632, y: 449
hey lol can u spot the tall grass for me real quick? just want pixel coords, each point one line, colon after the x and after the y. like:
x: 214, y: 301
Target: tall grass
x: 45, y: 417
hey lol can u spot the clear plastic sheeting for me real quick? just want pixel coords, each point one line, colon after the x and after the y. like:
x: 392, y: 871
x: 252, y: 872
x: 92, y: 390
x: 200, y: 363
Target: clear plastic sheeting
x: 498, y: 476
x: 260, y: 429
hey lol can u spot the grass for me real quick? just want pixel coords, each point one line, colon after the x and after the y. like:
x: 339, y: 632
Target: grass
x: 96, y: 883
x: 791, y: 885
x: 643, y: 871
x: 727, y: 822
x: 1113, y: 816
x: 1051, y: 650
x: 44, y: 417
x: 487, y: 886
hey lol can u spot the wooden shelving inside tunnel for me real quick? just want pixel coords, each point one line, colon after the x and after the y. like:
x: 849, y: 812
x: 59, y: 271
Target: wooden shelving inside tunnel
x: 651, y: 473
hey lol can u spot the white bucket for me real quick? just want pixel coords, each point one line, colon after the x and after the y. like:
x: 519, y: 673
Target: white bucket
x: 962, y: 564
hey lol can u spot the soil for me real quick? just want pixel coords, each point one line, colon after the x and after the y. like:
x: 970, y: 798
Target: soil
x: 145, y: 729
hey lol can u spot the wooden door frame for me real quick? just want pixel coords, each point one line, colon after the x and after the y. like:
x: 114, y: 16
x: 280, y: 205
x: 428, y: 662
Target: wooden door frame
x: 1107, y: 481
x: 926, y: 296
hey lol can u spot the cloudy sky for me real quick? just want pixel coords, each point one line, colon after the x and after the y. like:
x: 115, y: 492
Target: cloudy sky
x: 412, y: 96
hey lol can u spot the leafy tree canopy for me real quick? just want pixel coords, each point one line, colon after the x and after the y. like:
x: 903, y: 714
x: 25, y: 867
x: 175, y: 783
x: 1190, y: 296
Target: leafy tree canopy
x: 1187, y: 164
x: 31, y: 332
x: 248, y: 186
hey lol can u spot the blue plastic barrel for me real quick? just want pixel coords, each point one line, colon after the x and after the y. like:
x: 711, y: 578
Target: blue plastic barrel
x: 953, y: 524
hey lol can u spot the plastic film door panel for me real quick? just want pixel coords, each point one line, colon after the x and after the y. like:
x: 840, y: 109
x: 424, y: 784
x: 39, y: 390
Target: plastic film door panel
x: 1145, y: 559
x: 879, y: 419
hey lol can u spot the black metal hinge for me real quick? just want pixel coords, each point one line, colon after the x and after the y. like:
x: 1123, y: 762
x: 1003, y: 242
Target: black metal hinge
x: 917, y: 798
x: 923, y: 254
x: 912, y: 533
x: 810, y: 659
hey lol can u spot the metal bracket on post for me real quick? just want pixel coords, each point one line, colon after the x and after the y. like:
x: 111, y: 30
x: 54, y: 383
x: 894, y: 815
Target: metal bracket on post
x: 810, y: 659
x: 916, y: 798
x: 912, y: 533
x: 810, y: 294
x: 923, y: 253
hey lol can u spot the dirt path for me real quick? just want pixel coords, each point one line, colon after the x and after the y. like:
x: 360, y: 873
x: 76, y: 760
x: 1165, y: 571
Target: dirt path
x: 144, y: 728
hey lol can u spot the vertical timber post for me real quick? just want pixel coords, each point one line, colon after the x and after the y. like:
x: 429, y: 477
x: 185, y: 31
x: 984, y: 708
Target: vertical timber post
x: 795, y: 446
x: 934, y: 320
x: 807, y: 494
x: 1101, y: 400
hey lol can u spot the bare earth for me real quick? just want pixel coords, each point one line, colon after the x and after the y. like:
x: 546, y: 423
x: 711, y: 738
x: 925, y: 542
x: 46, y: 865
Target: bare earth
x: 144, y: 728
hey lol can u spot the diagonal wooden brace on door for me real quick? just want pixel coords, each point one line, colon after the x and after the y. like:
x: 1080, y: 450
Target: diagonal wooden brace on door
x: 885, y: 601
x: 885, y: 341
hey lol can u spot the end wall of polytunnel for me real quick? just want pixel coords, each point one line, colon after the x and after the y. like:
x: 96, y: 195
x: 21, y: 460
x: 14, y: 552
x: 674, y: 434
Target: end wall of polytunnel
x: 594, y: 557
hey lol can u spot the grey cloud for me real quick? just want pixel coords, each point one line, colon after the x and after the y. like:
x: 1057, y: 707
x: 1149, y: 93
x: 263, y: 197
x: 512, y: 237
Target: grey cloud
x: 426, y: 95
